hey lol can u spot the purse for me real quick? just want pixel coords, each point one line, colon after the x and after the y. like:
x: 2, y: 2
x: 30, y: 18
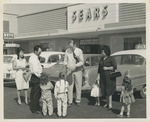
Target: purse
x: 26, y: 76
x: 115, y: 74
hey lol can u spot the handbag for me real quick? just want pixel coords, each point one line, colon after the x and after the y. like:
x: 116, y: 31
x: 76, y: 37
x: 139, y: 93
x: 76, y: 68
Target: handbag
x: 115, y: 74
x: 26, y: 75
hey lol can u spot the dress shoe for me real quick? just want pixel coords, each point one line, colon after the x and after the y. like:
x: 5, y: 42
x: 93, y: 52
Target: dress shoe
x: 78, y: 104
x: 109, y: 108
x: 69, y: 105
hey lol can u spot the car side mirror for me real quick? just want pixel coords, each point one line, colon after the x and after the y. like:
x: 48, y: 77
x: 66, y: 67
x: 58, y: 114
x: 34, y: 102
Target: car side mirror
x: 87, y: 63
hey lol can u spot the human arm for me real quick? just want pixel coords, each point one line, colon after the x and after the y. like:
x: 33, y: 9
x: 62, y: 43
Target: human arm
x: 35, y: 66
x: 56, y: 91
x: 51, y: 85
x: 15, y: 67
x: 80, y: 59
x: 65, y: 58
x: 113, y: 67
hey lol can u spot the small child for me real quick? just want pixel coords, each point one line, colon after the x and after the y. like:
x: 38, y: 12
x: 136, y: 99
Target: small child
x: 95, y: 92
x: 60, y: 92
x: 126, y: 97
x: 46, y: 95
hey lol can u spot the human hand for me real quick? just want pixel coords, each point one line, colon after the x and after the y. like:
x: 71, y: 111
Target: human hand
x: 105, y: 68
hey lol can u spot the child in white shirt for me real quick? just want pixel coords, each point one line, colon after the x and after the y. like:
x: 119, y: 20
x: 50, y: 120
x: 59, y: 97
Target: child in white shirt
x: 60, y: 92
x: 46, y: 95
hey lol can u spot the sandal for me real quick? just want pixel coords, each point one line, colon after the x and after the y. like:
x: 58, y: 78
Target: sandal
x: 128, y: 116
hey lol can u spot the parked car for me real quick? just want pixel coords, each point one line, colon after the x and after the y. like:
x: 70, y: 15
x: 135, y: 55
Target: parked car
x: 49, y: 58
x: 91, y: 62
x: 8, y: 72
x: 132, y: 63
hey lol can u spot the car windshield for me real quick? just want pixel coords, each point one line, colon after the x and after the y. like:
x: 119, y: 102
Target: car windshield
x: 129, y: 59
x: 7, y: 59
x: 42, y: 59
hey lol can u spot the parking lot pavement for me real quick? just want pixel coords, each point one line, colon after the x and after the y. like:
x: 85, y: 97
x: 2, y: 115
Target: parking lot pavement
x: 86, y: 110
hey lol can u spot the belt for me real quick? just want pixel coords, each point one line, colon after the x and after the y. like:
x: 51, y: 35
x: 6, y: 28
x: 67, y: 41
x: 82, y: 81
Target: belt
x: 62, y: 93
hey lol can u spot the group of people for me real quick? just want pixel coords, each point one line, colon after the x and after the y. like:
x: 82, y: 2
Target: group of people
x: 63, y: 90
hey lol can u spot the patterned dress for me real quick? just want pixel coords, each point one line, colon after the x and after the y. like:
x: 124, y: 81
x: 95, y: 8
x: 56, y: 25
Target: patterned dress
x: 127, y: 97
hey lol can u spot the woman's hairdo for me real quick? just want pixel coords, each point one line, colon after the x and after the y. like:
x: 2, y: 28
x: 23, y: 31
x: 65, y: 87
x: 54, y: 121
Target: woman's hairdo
x: 106, y: 50
x: 18, y: 51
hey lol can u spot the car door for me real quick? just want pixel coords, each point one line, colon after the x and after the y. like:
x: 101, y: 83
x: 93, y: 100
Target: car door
x: 93, y: 69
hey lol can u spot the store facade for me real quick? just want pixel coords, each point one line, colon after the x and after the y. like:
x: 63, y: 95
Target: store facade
x: 121, y: 26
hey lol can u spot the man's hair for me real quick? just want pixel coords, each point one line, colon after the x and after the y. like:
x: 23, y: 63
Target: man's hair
x: 44, y: 78
x: 74, y: 41
x: 36, y: 47
x: 61, y: 75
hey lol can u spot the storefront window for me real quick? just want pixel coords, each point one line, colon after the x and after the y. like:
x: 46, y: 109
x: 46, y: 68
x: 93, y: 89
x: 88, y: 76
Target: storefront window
x: 130, y: 43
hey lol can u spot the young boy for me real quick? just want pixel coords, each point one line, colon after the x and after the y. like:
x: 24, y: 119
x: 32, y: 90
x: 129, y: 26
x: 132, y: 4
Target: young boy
x: 46, y: 95
x: 60, y: 92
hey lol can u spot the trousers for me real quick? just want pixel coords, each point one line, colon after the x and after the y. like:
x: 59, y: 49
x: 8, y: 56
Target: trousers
x: 35, y: 93
x: 62, y: 104
x: 77, y: 81
x: 47, y: 106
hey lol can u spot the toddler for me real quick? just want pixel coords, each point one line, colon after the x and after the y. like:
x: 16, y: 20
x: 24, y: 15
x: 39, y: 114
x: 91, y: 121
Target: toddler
x: 126, y: 97
x: 46, y: 95
x: 96, y: 92
x: 60, y: 92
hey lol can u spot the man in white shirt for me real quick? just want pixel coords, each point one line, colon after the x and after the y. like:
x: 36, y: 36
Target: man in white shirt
x: 74, y: 56
x: 36, y: 70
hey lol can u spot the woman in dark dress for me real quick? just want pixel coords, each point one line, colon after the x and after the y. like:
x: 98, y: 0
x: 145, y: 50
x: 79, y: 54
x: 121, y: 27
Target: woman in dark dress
x: 107, y: 65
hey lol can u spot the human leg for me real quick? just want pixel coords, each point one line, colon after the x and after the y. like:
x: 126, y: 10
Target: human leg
x: 50, y: 106
x: 19, y: 98
x: 98, y: 101
x: 128, y: 110
x: 59, y: 103
x: 121, y: 111
x: 78, y: 84
x: 70, y: 91
x: 64, y: 100
x: 35, y: 94
x: 110, y: 101
x: 26, y: 95
x: 44, y: 107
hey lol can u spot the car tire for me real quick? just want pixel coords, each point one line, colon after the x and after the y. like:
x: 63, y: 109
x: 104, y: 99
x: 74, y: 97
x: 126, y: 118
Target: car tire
x: 143, y: 92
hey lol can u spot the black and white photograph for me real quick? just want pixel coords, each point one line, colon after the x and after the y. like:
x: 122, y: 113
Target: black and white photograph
x: 74, y: 61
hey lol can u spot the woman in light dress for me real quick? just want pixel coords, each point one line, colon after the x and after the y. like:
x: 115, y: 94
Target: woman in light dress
x: 20, y: 65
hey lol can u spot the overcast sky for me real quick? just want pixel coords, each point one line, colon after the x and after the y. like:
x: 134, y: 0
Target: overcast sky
x: 22, y: 9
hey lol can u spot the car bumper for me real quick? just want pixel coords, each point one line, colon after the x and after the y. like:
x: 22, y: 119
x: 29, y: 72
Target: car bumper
x: 8, y: 77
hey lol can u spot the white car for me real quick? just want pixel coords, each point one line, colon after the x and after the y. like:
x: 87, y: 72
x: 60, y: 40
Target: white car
x: 8, y: 72
x: 132, y: 63
x: 50, y: 58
